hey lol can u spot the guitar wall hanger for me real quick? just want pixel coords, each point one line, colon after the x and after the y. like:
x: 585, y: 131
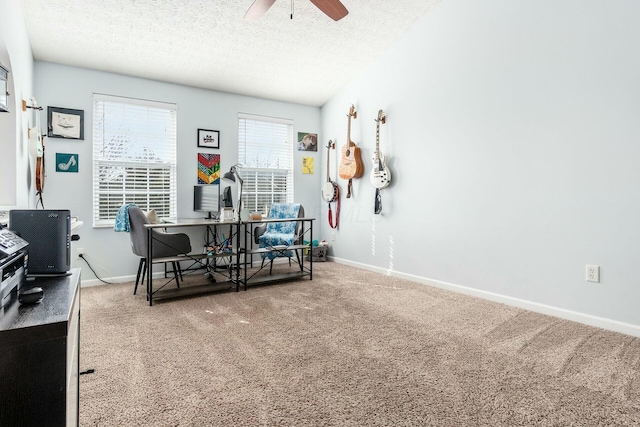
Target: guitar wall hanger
x: 33, y: 107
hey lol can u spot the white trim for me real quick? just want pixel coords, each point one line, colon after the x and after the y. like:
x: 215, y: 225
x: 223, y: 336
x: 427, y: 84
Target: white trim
x: 586, y: 319
x: 137, y: 101
x: 246, y: 116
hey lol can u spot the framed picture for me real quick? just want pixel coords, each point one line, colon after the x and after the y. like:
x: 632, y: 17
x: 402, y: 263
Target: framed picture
x: 66, y: 162
x: 307, y: 165
x: 208, y: 168
x: 65, y: 123
x: 208, y: 138
x: 307, y: 141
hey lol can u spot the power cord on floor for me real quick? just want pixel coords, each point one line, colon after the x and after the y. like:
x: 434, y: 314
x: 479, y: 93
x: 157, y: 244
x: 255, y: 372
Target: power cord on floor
x: 94, y: 272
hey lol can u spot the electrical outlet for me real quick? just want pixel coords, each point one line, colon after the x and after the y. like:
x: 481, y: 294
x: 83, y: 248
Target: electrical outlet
x: 593, y: 273
x: 79, y: 251
x: 333, y: 236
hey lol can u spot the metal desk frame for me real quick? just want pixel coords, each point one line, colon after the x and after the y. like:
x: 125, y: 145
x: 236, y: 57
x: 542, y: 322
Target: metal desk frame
x: 248, y: 251
x: 234, y: 279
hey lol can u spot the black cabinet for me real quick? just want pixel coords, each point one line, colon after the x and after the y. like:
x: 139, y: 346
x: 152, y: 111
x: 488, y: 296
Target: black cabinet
x: 39, y: 356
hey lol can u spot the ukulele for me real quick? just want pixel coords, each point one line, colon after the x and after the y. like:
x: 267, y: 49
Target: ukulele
x: 35, y: 136
x: 36, y: 149
x: 351, y: 164
x: 40, y: 175
x: 380, y: 176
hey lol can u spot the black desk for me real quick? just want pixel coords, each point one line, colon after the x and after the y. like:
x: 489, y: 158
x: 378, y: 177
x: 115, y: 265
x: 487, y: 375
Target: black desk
x: 40, y: 355
x: 243, y: 254
x: 248, y: 250
x: 234, y: 272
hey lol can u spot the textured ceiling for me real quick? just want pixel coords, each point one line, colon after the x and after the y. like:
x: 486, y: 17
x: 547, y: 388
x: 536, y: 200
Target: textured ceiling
x: 208, y: 44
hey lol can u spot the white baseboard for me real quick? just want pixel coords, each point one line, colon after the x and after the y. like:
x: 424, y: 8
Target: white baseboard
x: 118, y: 279
x: 112, y: 280
x: 156, y: 275
x: 587, y: 319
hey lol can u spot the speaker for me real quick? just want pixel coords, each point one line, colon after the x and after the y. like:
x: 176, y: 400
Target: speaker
x: 49, y: 235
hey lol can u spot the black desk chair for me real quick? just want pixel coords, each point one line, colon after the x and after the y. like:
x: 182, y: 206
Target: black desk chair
x: 164, y: 244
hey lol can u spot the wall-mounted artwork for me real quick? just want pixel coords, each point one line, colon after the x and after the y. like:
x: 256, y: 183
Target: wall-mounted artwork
x: 65, y: 123
x: 307, y: 141
x: 208, y: 168
x: 307, y: 165
x: 66, y: 162
x: 208, y: 138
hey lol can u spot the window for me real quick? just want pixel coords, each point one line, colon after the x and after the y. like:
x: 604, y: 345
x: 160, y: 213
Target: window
x: 265, y: 155
x: 134, y: 156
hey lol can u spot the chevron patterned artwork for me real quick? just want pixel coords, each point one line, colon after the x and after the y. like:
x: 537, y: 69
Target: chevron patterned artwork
x: 208, y: 168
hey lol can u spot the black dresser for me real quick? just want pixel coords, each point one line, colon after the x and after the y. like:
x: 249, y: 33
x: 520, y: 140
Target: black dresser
x: 39, y: 356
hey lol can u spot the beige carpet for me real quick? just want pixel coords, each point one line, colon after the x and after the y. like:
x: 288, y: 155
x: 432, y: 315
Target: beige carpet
x: 350, y: 348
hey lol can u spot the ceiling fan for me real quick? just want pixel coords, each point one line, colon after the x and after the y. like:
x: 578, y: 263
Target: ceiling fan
x: 334, y: 9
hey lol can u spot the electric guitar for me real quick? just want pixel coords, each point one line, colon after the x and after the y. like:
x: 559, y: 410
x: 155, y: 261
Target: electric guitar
x: 380, y: 176
x: 351, y: 164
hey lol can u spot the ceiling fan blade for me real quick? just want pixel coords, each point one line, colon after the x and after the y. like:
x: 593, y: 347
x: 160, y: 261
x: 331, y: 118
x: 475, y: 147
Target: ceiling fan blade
x: 334, y: 9
x: 257, y: 9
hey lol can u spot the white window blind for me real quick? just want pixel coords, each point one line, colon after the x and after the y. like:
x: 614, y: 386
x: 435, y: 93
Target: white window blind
x: 134, y: 156
x: 265, y: 153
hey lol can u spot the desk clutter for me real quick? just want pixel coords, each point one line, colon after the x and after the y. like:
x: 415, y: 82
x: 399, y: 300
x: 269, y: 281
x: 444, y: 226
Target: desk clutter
x: 224, y: 247
x: 226, y: 214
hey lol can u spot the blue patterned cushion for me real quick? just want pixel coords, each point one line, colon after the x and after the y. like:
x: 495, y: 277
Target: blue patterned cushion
x: 280, y: 233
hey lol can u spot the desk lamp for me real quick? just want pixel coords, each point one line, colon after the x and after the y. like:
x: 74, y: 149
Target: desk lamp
x: 232, y: 176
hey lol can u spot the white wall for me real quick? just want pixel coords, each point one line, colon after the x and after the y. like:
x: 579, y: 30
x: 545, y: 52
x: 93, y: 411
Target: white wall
x: 514, y: 136
x: 70, y: 87
x: 16, y: 177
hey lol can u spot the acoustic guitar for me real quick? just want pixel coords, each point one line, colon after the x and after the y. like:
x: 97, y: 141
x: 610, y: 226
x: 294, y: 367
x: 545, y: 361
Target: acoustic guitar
x: 351, y: 163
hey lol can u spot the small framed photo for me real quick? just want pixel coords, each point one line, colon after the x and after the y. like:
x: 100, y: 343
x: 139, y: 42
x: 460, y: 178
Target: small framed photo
x: 307, y: 141
x: 307, y: 165
x: 208, y: 138
x: 65, y: 123
x: 66, y: 162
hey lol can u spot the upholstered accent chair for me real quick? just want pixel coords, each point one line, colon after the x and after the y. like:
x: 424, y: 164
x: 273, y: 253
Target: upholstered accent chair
x: 164, y: 244
x: 280, y: 234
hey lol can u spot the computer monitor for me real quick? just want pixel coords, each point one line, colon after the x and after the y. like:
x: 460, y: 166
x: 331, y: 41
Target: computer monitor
x: 227, y: 201
x: 206, y: 198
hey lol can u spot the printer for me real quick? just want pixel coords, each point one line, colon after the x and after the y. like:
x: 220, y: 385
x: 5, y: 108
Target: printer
x: 13, y: 264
